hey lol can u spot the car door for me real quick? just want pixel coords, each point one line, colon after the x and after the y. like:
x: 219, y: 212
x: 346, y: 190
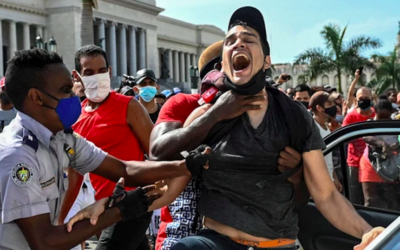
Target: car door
x: 316, y: 233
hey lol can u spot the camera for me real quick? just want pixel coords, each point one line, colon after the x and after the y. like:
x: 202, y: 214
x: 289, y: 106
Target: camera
x: 286, y: 78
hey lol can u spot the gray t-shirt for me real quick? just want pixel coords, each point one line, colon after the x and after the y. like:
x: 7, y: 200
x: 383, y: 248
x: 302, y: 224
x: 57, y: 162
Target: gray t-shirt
x: 245, y: 157
x: 6, y: 117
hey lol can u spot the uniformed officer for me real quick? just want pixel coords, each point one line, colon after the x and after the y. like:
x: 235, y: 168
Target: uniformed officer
x: 38, y: 146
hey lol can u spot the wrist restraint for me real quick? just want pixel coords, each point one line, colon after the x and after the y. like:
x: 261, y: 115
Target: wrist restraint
x: 195, y: 160
x: 133, y: 204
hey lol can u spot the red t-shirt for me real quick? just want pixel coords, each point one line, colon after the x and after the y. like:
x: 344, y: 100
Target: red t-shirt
x: 108, y: 129
x: 176, y: 109
x: 357, y: 146
x: 367, y: 172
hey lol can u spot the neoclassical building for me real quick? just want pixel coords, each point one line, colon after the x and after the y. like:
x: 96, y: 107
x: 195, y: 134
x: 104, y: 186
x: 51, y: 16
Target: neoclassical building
x: 132, y: 32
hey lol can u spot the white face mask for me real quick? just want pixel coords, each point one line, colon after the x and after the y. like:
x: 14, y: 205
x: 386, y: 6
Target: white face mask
x: 97, y: 87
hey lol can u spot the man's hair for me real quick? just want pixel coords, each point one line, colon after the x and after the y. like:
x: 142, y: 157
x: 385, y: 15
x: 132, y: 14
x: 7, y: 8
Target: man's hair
x: 389, y: 91
x: 26, y: 70
x: 88, y: 50
x: 383, y: 104
x: 302, y: 88
x: 160, y: 96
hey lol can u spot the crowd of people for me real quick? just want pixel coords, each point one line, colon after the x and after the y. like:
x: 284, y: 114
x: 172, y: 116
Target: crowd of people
x: 229, y: 165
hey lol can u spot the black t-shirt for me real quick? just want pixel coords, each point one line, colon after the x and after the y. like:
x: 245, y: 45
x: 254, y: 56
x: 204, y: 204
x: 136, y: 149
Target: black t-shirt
x: 245, y: 157
x: 154, y: 116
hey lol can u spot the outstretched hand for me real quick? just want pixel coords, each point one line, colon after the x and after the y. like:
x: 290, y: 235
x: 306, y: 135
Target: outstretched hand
x: 93, y: 211
x: 369, y: 237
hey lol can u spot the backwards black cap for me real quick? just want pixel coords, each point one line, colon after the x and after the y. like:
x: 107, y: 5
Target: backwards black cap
x: 143, y: 74
x: 252, y: 17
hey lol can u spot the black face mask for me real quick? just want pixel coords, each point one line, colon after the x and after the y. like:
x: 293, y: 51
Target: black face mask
x: 331, y: 111
x: 253, y: 87
x: 4, y: 99
x: 306, y: 104
x: 82, y: 98
x: 364, y: 105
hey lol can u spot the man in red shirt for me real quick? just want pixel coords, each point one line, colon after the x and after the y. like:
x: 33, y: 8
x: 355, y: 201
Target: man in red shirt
x: 363, y: 112
x: 117, y: 124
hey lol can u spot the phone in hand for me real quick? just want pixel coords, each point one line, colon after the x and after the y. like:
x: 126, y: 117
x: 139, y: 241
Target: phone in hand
x: 361, y: 70
x: 286, y: 78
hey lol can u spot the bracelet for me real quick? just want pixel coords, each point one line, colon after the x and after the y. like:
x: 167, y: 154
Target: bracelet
x: 119, y: 191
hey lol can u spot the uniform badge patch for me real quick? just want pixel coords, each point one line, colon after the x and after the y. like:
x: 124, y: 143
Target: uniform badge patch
x: 22, y: 174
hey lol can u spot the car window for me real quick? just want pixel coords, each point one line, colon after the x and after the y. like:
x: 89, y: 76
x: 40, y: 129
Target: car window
x: 367, y: 167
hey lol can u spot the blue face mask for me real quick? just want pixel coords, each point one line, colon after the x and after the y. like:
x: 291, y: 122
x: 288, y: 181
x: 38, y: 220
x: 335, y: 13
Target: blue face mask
x: 339, y: 118
x: 68, y: 109
x: 147, y: 93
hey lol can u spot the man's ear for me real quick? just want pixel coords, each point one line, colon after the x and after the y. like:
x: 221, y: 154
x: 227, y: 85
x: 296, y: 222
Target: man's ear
x: 136, y: 89
x: 76, y: 77
x: 35, y: 96
x: 320, y: 109
x: 157, y: 87
x: 109, y: 71
x: 267, y: 62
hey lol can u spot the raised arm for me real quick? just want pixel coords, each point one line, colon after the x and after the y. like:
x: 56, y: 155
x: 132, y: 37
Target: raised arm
x: 352, y: 89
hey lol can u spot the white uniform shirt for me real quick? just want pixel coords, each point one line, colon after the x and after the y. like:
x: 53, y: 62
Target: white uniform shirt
x: 328, y: 158
x: 33, y: 180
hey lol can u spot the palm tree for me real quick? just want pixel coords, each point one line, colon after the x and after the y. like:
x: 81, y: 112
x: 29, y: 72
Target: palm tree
x: 87, y: 36
x: 388, y: 72
x: 339, y: 56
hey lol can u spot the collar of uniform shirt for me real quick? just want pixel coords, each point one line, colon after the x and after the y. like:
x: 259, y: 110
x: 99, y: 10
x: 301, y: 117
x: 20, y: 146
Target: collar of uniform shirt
x: 41, y: 132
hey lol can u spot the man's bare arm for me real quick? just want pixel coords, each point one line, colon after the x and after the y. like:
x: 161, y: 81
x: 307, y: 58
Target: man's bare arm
x: 57, y: 237
x: 324, y: 193
x: 75, y: 182
x: 140, y: 123
x: 168, y: 139
x: 352, y: 88
x: 140, y: 173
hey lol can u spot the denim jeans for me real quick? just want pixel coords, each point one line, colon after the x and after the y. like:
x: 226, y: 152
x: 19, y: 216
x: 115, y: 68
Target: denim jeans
x: 211, y: 240
x: 127, y: 235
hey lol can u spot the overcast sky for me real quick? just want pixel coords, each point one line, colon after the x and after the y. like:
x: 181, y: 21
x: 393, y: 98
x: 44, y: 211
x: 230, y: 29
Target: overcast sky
x: 295, y: 25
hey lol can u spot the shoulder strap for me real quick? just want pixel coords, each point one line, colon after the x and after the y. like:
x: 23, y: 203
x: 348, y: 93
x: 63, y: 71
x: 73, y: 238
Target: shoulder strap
x: 28, y: 138
x: 296, y: 123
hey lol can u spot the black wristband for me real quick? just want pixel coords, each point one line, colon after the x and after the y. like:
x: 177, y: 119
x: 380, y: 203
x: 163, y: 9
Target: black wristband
x: 133, y: 205
x: 196, y: 160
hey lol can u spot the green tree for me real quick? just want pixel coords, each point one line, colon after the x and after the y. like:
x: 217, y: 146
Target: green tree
x: 340, y: 56
x: 87, y: 34
x: 387, y: 73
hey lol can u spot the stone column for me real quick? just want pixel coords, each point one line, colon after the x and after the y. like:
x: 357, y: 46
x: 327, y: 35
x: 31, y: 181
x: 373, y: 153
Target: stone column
x: 182, y: 66
x: 13, y: 39
x: 187, y: 67
x: 101, y: 34
x: 142, y: 49
x: 113, y: 49
x: 176, y: 66
x: 45, y: 35
x: 39, y: 31
x: 1, y: 51
x: 170, y: 64
x: 123, y: 52
x: 27, y: 37
x: 194, y: 60
x: 132, y: 51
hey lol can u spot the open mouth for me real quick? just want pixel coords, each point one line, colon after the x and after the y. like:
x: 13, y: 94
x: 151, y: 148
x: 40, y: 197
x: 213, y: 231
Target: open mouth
x: 240, y: 62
